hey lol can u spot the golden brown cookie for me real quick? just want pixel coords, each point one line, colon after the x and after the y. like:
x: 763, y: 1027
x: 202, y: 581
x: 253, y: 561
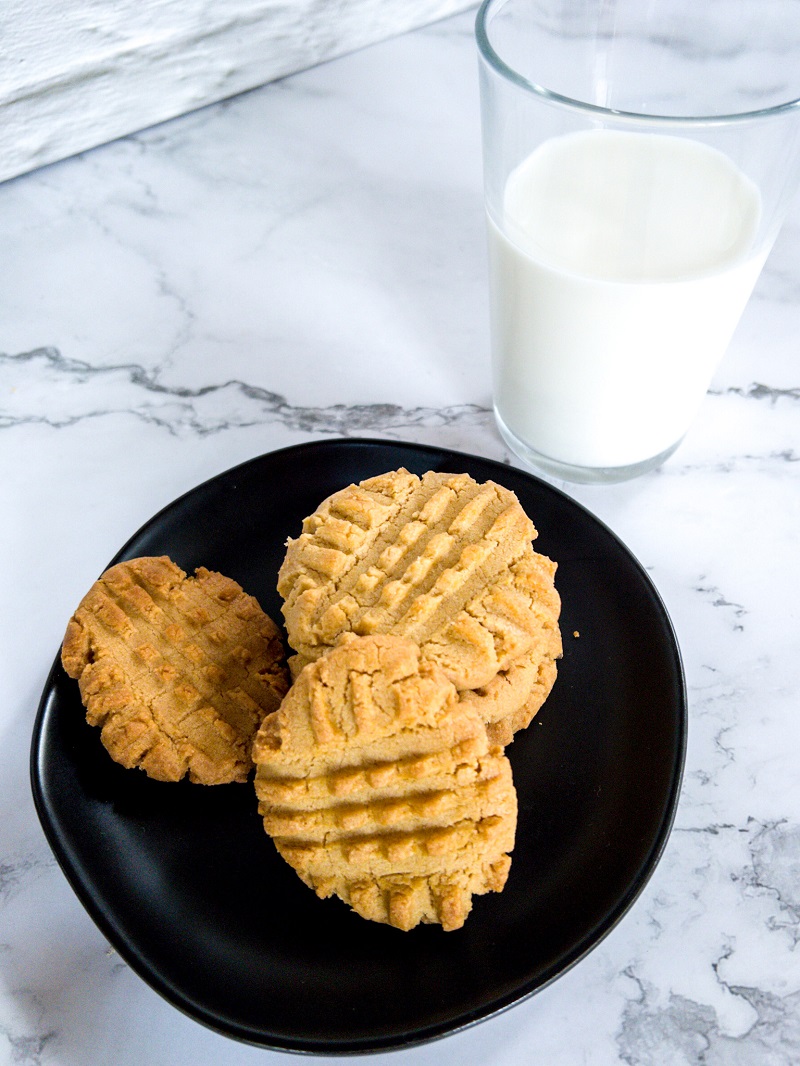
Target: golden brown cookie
x: 439, y: 559
x: 397, y: 554
x: 378, y: 785
x: 511, y: 699
x: 179, y: 672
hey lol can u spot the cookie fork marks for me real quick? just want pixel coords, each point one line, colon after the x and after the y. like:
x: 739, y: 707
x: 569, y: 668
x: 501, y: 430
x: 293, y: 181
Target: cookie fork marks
x: 177, y: 672
x: 400, y: 806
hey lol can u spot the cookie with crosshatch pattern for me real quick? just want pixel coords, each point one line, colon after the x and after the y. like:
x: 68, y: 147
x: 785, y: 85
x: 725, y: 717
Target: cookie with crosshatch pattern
x: 178, y: 672
x: 379, y: 785
x: 443, y: 560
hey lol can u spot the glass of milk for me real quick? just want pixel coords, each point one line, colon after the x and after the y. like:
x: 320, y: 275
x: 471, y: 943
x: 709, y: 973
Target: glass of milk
x: 639, y: 159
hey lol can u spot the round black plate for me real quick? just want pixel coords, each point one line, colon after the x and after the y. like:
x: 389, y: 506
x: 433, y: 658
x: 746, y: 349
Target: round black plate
x: 191, y: 892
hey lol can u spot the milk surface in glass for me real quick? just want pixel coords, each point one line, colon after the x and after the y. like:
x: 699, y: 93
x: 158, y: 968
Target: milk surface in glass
x: 619, y: 271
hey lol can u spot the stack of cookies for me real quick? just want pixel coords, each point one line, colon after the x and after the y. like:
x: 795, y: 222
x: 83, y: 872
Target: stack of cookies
x: 425, y: 632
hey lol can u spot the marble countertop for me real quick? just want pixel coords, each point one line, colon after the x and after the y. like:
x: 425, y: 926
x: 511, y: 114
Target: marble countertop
x: 308, y: 261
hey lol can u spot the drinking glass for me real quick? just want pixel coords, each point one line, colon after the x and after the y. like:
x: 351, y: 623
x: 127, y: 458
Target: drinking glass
x: 639, y: 159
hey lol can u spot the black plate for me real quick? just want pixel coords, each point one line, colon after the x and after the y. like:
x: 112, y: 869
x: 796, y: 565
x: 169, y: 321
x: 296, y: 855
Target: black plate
x: 187, y: 887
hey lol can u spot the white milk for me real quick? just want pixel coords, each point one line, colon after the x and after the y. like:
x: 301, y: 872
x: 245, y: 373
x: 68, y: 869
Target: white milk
x: 620, y: 272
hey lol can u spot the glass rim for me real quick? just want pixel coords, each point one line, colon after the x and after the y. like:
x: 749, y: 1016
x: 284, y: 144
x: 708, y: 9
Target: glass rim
x: 492, y: 57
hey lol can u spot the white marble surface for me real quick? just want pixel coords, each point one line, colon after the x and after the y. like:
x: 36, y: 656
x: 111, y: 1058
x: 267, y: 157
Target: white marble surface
x: 305, y: 261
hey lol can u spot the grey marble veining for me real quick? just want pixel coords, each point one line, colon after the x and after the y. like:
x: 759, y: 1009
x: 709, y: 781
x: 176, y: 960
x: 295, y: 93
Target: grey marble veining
x: 308, y: 261
x: 98, y: 391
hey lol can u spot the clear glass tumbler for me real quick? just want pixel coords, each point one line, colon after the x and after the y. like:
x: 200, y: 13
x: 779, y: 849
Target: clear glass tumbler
x: 639, y: 159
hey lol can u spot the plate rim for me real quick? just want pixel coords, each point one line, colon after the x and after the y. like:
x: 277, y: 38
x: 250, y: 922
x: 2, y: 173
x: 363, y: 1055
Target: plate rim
x: 429, y: 1032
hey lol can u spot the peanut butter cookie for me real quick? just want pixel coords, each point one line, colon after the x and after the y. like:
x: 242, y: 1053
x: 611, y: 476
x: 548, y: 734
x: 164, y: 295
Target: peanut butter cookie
x: 378, y: 785
x: 440, y: 559
x: 414, y: 556
x: 178, y: 672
